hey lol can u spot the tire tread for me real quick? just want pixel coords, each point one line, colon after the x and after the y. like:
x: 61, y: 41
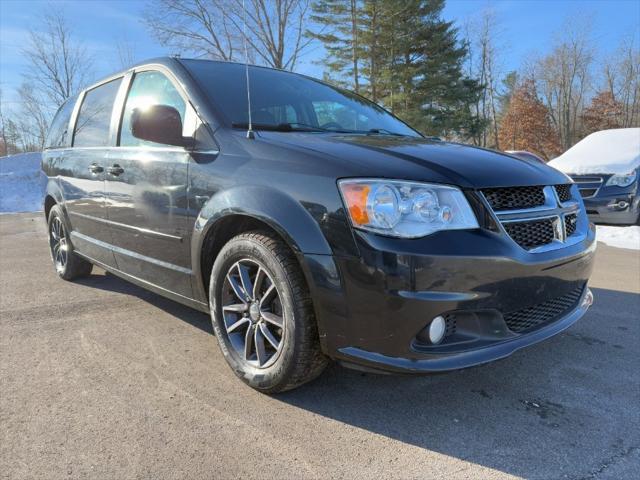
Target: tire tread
x: 309, y: 361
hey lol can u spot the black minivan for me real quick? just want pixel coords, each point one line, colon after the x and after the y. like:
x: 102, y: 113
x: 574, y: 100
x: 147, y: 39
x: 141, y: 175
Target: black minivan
x: 311, y: 223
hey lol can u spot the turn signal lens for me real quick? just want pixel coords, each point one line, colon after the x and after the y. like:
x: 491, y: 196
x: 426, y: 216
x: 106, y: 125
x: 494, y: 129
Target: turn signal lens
x: 355, y: 196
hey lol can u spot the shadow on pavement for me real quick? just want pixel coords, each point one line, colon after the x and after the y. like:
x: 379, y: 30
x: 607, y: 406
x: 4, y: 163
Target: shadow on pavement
x: 112, y: 283
x: 565, y: 408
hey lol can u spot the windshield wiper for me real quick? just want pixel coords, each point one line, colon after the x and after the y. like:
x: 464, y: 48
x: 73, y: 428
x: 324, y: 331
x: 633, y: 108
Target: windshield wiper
x: 281, y: 127
x: 384, y: 131
x: 306, y: 127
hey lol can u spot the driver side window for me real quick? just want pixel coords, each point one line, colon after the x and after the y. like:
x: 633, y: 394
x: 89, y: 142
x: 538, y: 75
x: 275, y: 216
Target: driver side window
x: 148, y: 88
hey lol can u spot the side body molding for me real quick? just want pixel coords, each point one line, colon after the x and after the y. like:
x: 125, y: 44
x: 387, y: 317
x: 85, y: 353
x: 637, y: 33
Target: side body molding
x: 280, y: 211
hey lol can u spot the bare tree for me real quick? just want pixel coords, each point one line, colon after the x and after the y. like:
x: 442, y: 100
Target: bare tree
x: 622, y: 74
x: 483, y: 42
x: 4, y: 148
x: 275, y: 29
x: 564, y: 79
x: 126, y: 51
x: 32, y: 119
x: 58, y: 66
x: 194, y: 26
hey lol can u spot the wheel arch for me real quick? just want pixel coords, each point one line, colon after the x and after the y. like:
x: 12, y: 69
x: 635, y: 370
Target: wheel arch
x: 239, y: 210
x: 52, y: 196
x: 49, y: 202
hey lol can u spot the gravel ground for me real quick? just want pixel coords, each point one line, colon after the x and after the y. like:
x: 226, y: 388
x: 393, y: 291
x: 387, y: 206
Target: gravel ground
x: 101, y: 379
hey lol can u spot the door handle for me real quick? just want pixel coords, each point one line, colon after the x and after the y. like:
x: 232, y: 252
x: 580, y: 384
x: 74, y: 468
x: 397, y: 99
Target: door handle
x: 95, y: 168
x: 115, y: 169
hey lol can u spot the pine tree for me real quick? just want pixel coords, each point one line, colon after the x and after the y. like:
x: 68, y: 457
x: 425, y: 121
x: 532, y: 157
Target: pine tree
x: 339, y: 30
x: 403, y: 55
x: 603, y: 113
x: 526, y: 124
x: 372, y: 39
x: 425, y: 84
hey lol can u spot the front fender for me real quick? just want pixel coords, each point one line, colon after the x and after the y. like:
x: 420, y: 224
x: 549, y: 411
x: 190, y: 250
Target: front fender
x: 52, y: 189
x: 278, y: 210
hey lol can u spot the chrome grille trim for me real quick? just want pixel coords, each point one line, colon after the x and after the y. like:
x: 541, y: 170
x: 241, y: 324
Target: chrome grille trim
x: 588, y: 182
x: 554, y: 210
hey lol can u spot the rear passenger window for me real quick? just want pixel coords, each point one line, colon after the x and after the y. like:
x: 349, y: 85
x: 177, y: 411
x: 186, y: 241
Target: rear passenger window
x: 58, y: 136
x: 148, y: 88
x: 94, y: 119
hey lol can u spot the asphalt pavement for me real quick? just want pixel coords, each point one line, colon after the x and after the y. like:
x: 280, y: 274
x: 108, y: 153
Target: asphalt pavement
x: 101, y: 379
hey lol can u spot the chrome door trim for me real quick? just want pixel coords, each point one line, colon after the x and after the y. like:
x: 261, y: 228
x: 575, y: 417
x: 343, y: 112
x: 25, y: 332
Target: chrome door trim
x: 144, y: 231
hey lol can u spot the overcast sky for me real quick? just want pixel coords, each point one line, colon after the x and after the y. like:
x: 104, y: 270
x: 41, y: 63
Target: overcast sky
x: 527, y: 27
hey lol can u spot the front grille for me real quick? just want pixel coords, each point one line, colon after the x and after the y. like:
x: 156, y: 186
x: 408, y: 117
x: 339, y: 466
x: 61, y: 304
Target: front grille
x: 532, y: 317
x: 588, y: 192
x: 531, y: 234
x: 564, y: 192
x: 570, y: 224
x: 586, y: 179
x: 514, y: 198
x: 536, y: 216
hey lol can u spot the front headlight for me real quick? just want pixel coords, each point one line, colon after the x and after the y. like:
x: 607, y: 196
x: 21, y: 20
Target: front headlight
x: 622, y: 180
x: 405, y: 209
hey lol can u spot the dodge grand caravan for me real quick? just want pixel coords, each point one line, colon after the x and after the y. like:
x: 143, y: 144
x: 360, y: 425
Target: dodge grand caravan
x: 318, y: 227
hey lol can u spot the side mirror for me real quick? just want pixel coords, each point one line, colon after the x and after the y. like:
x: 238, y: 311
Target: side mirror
x: 158, y: 123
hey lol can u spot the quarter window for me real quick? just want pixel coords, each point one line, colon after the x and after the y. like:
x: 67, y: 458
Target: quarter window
x: 58, y: 132
x: 94, y: 119
x: 148, y: 88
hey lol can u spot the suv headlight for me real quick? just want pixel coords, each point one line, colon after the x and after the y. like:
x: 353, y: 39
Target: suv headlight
x: 622, y: 180
x: 405, y: 209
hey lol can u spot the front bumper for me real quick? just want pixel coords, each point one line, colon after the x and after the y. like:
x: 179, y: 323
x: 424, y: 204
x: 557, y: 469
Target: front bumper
x: 618, y: 209
x: 371, y: 308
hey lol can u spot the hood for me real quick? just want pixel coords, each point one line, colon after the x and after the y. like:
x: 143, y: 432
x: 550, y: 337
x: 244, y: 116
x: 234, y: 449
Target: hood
x: 614, y: 151
x: 419, y: 159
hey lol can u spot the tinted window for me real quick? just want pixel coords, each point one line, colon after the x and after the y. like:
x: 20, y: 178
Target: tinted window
x: 148, y: 88
x: 282, y: 97
x: 94, y: 119
x: 340, y: 114
x: 58, y: 132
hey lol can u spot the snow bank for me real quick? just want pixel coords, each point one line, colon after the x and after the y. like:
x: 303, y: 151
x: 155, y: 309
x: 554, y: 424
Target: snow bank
x: 621, y: 237
x: 607, y: 151
x: 21, y: 183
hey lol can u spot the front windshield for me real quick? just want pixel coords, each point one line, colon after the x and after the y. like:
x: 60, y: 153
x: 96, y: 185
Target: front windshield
x: 280, y: 98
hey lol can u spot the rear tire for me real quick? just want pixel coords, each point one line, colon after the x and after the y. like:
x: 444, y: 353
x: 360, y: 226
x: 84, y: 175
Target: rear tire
x: 68, y: 264
x: 262, y: 314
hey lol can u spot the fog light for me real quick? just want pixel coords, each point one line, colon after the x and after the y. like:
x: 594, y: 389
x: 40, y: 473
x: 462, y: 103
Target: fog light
x: 437, y: 329
x: 621, y: 205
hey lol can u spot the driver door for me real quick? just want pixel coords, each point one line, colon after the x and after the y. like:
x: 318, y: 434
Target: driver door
x: 146, y: 192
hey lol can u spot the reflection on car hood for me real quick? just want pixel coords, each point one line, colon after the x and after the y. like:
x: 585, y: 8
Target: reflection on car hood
x: 420, y: 159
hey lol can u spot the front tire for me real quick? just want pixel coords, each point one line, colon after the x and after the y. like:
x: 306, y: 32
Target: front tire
x: 262, y: 314
x: 68, y: 264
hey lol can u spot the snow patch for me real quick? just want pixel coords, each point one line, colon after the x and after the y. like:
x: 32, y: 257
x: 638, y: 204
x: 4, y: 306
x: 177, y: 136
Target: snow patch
x: 608, y: 151
x: 620, y: 237
x: 22, y: 183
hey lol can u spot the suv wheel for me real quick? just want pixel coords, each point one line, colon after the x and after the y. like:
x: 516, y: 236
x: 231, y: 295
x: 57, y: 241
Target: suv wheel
x: 67, y: 263
x: 263, y: 315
